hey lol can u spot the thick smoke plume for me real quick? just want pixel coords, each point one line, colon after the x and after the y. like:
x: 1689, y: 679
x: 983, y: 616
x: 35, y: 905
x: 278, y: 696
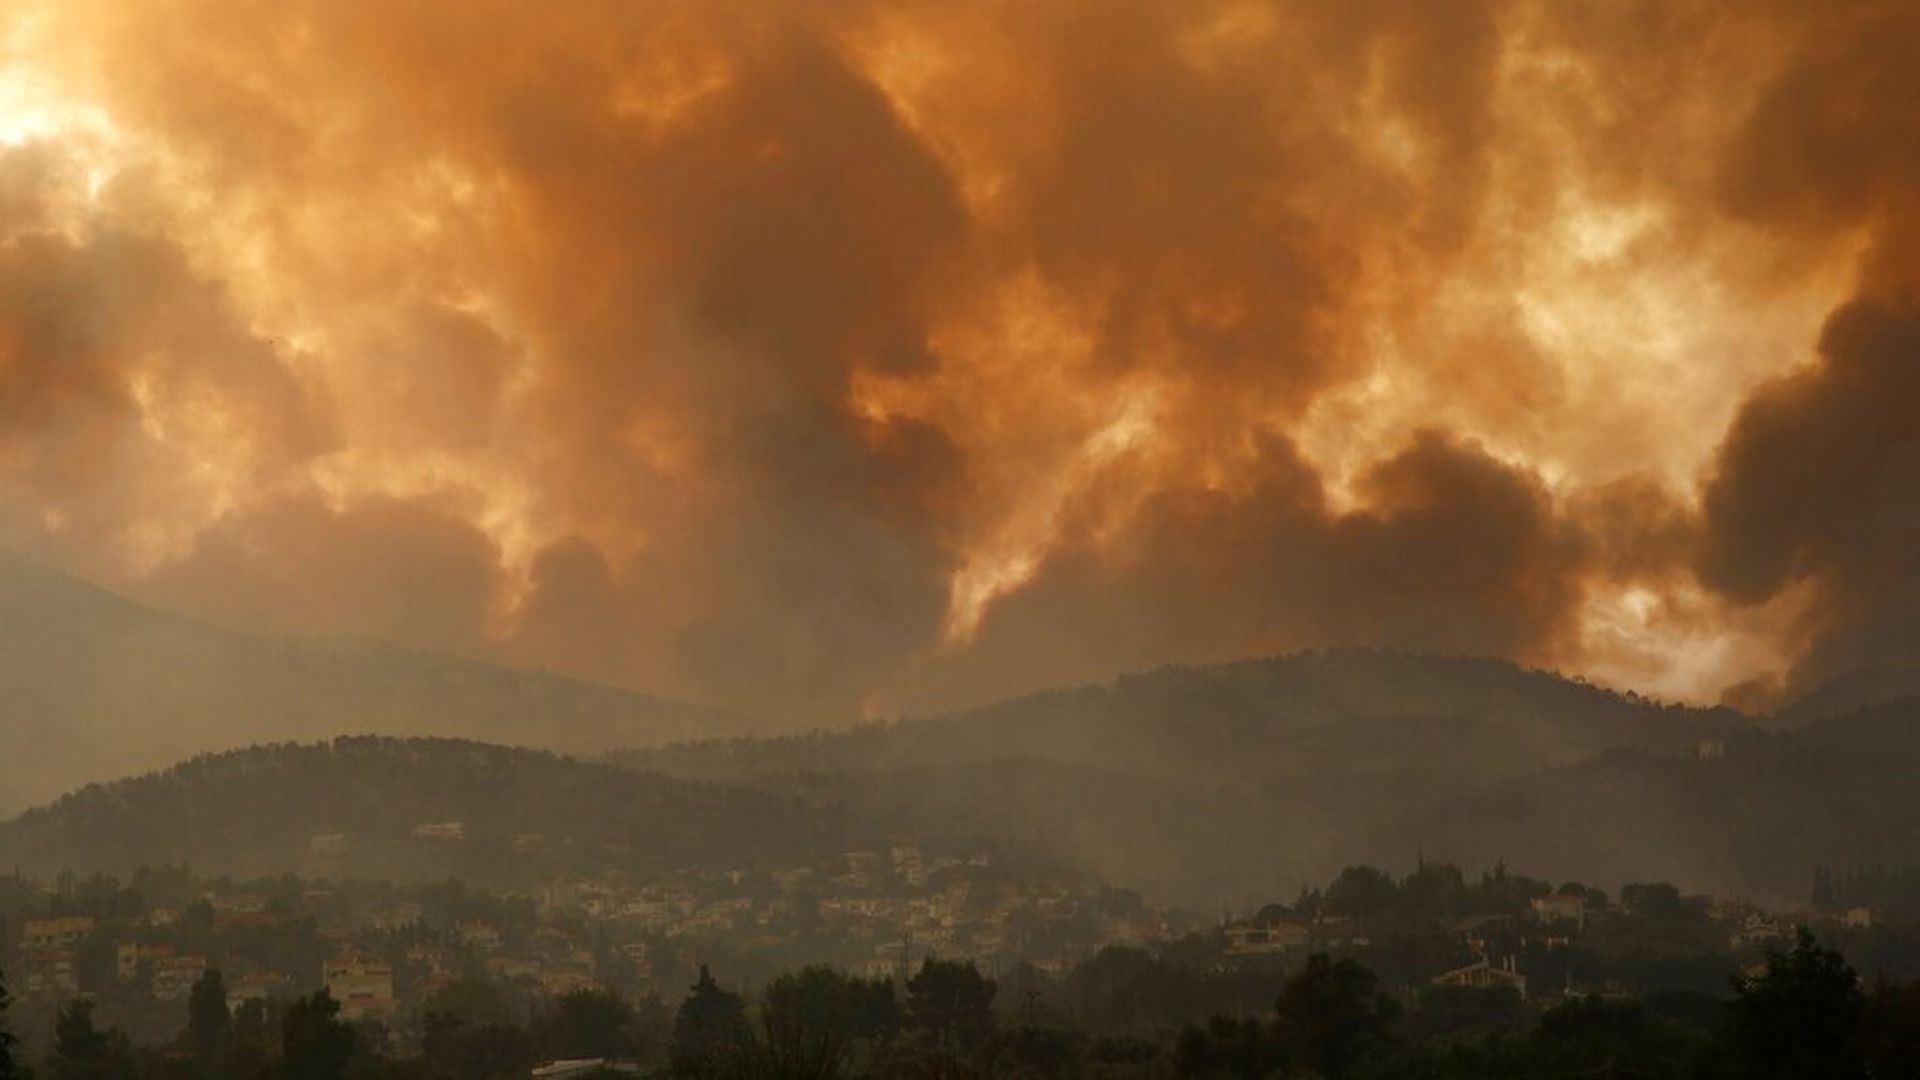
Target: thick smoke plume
x: 814, y: 358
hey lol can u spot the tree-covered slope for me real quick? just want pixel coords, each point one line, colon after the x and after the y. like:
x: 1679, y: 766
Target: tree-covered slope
x: 1226, y: 782
x: 1300, y: 716
x: 1756, y: 819
x: 409, y: 809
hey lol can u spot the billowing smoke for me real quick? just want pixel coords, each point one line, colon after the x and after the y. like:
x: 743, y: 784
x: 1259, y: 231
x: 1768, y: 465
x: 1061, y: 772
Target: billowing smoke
x: 1818, y: 482
x: 818, y: 357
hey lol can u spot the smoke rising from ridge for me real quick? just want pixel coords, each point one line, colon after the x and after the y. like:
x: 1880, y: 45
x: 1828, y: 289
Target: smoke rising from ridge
x: 817, y: 358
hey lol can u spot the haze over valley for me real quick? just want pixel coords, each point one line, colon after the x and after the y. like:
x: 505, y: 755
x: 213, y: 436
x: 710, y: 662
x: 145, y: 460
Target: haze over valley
x: 914, y: 540
x: 1223, y: 783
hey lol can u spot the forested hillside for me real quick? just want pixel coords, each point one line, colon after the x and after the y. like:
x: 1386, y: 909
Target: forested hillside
x: 1300, y: 716
x: 409, y: 810
x: 1197, y: 785
x: 1757, y: 819
x: 1228, y: 781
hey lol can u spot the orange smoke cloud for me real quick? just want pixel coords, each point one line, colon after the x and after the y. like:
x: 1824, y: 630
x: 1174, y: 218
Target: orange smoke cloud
x: 803, y: 357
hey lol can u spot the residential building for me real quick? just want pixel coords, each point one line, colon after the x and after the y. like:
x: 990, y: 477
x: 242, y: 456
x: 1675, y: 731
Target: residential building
x: 363, y: 987
x: 56, y: 933
x: 1483, y: 974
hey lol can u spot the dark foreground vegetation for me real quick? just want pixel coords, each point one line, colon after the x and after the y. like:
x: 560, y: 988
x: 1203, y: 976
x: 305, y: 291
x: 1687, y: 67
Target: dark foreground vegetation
x: 1804, y: 1015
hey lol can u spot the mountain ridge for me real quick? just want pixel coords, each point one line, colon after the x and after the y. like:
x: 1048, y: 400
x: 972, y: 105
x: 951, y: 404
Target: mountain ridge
x: 95, y: 685
x: 1747, y: 812
x: 406, y: 809
x: 1202, y: 783
x: 1313, y: 697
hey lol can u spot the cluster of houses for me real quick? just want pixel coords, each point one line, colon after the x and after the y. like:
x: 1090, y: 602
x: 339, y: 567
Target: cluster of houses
x: 881, y: 912
x: 1496, y: 945
x: 884, y: 911
x: 49, y: 955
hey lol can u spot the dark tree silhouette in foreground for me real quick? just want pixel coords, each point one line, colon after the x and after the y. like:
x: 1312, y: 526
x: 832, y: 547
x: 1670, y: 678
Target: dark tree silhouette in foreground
x: 209, y: 1024
x: 1800, y: 1019
x: 315, y: 1046
x: 10, y: 1068
x: 710, y: 1031
x: 1331, y: 1015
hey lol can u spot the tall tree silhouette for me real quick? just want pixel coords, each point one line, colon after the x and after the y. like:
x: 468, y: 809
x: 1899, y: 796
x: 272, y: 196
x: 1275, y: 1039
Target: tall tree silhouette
x: 10, y: 1068
x: 209, y: 1024
x: 710, y: 1030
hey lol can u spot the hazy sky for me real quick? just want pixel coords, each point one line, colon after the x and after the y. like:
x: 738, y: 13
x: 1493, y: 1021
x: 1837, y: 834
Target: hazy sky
x: 820, y: 357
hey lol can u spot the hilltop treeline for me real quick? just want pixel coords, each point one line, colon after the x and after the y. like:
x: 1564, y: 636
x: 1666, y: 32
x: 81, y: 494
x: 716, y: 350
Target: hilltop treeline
x: 410, y: 810
x: 1239, y: 780
x: 1303, y: 715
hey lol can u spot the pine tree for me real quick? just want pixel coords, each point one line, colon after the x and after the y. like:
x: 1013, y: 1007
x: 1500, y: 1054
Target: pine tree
x: 710, y: 1031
